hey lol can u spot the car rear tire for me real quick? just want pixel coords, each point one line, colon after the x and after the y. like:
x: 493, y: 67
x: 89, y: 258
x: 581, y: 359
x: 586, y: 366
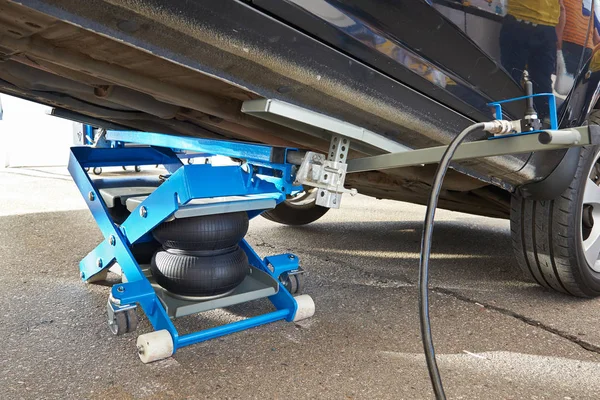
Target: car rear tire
x: 299, y: 210
x: 557, y: 242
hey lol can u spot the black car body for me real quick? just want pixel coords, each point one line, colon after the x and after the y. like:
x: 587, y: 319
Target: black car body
x: 413, y: 71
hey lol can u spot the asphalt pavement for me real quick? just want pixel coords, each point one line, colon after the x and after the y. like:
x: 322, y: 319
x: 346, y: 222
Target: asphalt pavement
x: 497, y: 336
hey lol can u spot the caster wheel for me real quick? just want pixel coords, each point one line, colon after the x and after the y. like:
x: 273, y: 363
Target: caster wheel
x: 97, y: 170
x: 306, y: 307
x: 299, y: 283
x: 293, y: 283
x: 122, y: 322
x: 190, y: 161
x: 124, y: 168
x: 87, y: 169
x: 138, y: 168
x: 155, y: 346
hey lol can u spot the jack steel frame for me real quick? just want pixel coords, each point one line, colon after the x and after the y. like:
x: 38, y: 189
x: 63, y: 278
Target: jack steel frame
x: 263, y: 174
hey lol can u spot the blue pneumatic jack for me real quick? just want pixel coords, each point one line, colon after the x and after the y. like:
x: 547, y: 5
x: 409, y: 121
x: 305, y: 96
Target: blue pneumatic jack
x: 195, y: 272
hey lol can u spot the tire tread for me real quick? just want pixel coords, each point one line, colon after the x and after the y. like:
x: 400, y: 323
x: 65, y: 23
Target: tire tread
x: 545, y: 238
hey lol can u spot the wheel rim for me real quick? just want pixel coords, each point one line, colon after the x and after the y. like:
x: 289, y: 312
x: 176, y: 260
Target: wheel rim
x: 303, y: 198
x: 590, y: 213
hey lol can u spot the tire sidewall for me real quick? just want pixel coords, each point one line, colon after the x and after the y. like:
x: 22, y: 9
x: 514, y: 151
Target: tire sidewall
x: 289, y: 213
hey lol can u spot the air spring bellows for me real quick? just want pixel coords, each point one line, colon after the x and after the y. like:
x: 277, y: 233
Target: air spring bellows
x: 208, y: 232
x: 200, y: 255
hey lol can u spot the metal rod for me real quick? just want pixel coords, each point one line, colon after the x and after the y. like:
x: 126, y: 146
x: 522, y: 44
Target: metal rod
x: 84, y: 119
x: 478, y: 149
x: 223, y: 330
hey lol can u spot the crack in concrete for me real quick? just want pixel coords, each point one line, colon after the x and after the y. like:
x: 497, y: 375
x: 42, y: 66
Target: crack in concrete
x: 530, y: 321
x: 264, y: 244
x: 258, y: 241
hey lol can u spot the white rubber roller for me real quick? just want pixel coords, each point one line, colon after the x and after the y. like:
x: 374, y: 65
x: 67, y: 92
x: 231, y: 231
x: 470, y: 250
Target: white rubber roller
x: 155, y: 346
x: 306, y: 307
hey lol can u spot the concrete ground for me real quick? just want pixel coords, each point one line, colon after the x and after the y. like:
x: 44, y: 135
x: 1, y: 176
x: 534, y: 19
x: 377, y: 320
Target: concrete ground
x: 497, y: 337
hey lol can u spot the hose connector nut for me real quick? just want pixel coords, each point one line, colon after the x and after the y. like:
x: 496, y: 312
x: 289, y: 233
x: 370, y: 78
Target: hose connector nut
x: 499, y: 127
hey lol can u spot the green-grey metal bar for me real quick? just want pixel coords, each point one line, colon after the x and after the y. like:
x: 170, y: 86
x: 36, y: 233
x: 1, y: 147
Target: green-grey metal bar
x: 477, y: 149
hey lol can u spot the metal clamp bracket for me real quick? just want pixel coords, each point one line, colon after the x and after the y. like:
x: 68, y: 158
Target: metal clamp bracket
x: 517, y: 129
x: 327, y: 173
